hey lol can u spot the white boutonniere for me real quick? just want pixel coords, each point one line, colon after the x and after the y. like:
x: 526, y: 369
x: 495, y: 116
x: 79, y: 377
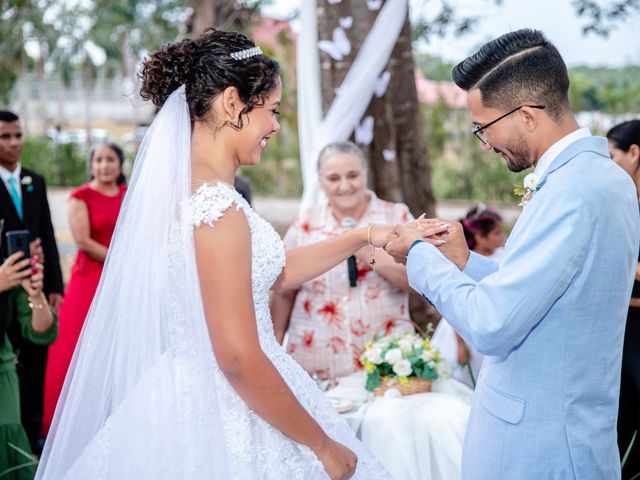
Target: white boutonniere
x: 27, y: 182
x: 529, y: 185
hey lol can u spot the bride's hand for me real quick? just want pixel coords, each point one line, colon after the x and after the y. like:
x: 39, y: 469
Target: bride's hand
x: 380, y: 235
x: 339, y: 462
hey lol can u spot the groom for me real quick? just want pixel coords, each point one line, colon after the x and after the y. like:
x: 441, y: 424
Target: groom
x: 552, y: 316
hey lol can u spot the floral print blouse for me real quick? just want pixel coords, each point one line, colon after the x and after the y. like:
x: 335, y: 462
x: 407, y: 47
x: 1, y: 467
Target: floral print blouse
x: 330, y: 321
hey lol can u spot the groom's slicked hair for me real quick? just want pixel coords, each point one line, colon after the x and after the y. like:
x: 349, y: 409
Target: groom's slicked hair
x: 518, y: 68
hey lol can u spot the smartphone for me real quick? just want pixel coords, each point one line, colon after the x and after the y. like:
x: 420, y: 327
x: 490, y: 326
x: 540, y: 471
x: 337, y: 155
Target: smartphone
x: 18, y: 240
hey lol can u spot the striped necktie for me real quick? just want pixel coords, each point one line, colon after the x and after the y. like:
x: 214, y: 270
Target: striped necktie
x: 15, y: 196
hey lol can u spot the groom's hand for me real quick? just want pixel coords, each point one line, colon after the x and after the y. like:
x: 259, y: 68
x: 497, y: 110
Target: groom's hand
x: 455, y: 246
x: 408, y: 233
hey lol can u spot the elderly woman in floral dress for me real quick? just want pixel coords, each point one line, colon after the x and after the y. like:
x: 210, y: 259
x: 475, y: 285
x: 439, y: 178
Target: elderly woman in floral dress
x: 329, y: 319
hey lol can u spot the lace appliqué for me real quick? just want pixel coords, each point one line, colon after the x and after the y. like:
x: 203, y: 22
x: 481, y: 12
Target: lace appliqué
x: 256, y: 449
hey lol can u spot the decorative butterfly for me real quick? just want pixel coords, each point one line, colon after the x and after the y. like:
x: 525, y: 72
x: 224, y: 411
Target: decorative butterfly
x: 381, y: 84
x: 374, y: 5
x: 363, y: 133
x: 346, y: 22
x: 337, y: 48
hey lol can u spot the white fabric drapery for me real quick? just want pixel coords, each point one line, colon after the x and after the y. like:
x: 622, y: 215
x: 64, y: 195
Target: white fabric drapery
x: 353, y: 96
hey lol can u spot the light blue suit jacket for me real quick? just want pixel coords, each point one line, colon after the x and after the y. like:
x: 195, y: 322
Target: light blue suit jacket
x: 552, y: 317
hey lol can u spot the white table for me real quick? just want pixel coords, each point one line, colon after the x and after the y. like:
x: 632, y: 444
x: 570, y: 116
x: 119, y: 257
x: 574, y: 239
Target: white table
x: 417, y: 437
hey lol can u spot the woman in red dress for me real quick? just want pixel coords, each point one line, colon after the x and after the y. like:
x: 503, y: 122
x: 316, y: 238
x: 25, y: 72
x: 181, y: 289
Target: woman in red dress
x: 93, y: 211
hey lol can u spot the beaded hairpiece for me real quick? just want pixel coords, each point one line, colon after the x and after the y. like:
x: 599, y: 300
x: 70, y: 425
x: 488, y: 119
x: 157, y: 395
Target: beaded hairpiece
x: 247, y: 53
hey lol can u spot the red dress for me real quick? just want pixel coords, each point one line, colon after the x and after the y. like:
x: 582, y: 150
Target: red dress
x: 85, y: 275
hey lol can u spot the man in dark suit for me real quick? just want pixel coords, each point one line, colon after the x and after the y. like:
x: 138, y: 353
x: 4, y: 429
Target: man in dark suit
x: 24, y: 206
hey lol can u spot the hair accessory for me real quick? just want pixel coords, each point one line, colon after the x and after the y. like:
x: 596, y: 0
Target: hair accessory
x: 247, y: 53
x: 481, y: 209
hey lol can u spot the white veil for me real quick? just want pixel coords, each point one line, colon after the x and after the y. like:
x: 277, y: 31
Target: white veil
x: 138, y: 401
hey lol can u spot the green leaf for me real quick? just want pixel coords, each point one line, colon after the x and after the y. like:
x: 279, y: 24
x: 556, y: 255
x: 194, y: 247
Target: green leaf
x: 626, y: 454
x: 373, y: 380
x: 429, y: 374
x: 21, y: 451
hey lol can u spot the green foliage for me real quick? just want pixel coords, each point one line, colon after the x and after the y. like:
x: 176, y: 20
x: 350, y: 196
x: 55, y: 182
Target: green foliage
x: 29, y: 462
x: 611, y: 90
x: 279, y: 172
x: 61, y: 165
x: 7, y: 81
x: 434, y: 68
x: 373, y: 381
x: 602, y: 19
x: 460, y: 169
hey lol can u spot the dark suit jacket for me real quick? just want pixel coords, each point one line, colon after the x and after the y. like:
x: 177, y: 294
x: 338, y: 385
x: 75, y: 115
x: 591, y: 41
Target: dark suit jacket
x: 37, y: 219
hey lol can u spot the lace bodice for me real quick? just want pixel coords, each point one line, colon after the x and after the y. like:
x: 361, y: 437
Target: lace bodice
x: 208, y: 204
x: 247, y: 436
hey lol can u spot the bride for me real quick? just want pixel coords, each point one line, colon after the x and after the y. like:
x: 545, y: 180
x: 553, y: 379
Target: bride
x: 178, y: 373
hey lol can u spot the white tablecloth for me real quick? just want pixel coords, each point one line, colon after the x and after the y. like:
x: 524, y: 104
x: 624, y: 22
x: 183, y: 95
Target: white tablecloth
x: 417, y: 437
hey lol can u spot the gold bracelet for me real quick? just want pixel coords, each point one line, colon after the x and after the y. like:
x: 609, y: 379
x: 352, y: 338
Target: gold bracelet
x: 36, y: 306
x: 372, y: 261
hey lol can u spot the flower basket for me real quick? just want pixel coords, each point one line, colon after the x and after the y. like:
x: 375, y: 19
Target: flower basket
x: 415, y: 385
x: 405, y: 361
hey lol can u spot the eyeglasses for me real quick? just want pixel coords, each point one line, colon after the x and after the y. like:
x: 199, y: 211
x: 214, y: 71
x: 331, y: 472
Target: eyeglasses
x: 478, y: 130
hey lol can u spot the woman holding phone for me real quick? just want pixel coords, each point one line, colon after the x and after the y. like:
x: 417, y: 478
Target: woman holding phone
x: 25, y: 310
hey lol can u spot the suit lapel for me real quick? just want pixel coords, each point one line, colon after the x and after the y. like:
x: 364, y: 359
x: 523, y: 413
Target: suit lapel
x: 27, y: 196
x: 593, y: 144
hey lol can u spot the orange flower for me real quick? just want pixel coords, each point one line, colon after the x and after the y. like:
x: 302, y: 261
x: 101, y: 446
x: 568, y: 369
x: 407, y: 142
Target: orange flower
x: 389, y: 325
x: 362, y: 272
x: 336, y: 344
x: 372, y: 292
x: 307, y: 338
x: 306, y: 305
x: 359, y: 328
x: 331, y: 314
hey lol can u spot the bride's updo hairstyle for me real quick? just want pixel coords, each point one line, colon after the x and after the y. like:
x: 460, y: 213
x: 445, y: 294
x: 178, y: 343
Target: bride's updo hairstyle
x: 206, y: 67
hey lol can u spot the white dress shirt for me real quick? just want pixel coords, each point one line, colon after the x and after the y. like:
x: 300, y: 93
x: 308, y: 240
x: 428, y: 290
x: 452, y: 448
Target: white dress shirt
x: 6, y: 175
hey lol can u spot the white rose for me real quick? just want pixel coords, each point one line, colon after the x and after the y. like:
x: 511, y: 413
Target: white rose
x: 392, y: 356
x: 427, y: 355
x: 418, y: 343
x: 383, y: 343
x: 374, y: 355
x: 402, y: 368
x: 405, y: 344
x: 530, y: 182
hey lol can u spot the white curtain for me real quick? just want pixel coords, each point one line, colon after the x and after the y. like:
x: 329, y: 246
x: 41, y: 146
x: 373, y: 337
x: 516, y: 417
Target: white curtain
x: 354, y: 94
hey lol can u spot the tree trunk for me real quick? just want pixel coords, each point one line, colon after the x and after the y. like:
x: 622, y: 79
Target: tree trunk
x: 405, y: 176
x: 223, y: 14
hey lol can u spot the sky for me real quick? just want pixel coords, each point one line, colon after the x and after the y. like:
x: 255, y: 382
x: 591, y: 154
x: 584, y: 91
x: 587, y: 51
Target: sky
x: 556, y: 18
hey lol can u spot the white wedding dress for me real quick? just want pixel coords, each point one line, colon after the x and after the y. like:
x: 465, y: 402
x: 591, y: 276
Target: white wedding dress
x: 248, y: 437
x: 169, y: 418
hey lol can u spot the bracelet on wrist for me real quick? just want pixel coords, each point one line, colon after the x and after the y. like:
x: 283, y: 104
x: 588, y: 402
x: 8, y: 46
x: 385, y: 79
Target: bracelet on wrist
x: 372, y: 260
x: 36, y: 306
